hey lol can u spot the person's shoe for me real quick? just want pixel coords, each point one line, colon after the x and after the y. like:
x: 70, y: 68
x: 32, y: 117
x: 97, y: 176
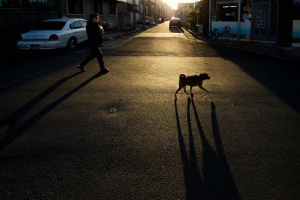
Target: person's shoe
x: 81, y: 68
x: 104, y: 70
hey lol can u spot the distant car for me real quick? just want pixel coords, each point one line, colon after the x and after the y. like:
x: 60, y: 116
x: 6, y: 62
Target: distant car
x: 174, y: 21
x: 55, y: 34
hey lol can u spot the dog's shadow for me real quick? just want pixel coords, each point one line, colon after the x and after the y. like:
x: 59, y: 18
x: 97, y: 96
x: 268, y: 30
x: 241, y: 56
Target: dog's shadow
x: 216, y: 181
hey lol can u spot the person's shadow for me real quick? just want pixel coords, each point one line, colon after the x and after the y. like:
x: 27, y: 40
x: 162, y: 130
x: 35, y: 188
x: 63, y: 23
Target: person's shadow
x: 11, y: 135
x: 216, y: 181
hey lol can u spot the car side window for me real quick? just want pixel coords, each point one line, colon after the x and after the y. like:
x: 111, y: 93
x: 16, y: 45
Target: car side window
x: 83, y: 23
x: 75, y: 25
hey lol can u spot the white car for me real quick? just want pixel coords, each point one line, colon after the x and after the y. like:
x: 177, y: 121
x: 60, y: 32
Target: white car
x: 55, y: 34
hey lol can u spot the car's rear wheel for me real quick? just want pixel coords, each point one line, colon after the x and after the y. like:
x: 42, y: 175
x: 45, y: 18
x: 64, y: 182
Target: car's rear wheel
x: 72, y: 44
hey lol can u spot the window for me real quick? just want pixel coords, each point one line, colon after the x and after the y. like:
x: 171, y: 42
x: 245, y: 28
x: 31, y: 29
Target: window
x: 83, y: 23
x: 112, y: 8
x: 75, y: 6
x: 75, y: 25
x: 226, y: 12
x: 98, y: 7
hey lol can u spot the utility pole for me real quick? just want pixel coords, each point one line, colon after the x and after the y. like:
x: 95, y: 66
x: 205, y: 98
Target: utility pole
x: 239, y: 21
x: 209, y: 18
x: 195, y: 16
x: 145, y: 7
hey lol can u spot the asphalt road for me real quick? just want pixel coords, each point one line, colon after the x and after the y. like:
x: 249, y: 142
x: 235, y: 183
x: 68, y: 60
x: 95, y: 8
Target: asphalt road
x: 124, y: 135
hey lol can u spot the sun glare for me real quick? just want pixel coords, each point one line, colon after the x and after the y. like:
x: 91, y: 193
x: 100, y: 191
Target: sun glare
x: 171, y: 3
x: 174, y: 3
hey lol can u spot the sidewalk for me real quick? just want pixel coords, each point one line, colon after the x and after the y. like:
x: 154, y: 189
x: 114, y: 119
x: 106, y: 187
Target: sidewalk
x: 260, y: 47
x: 112, y: 38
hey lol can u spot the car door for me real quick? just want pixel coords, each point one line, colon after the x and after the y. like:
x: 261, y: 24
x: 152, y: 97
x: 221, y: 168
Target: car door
x: 83, y: 29
x: 78, y: 31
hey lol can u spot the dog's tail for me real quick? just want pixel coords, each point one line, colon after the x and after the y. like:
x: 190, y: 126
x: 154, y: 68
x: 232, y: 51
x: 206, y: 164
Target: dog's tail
x: 182, y: 77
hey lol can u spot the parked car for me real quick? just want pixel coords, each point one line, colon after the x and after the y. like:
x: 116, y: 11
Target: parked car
x: 55, y: 34
x: 146, y: 20
x: 174, y: 21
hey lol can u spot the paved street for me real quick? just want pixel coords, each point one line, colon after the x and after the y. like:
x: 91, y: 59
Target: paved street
x: 124, y: 135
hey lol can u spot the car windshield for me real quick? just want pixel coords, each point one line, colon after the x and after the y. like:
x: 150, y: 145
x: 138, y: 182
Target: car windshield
x: 50, y: 26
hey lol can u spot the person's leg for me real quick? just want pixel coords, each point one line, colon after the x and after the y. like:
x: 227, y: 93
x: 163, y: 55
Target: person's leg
x: 88, y: 58
x: 99, y: 56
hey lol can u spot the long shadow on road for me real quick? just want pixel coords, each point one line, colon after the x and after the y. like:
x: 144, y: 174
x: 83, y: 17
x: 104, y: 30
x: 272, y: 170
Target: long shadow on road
x: 10, y: 136
x: 192, y: 177
x: 29, y: 105
x: 217, y: 181
x: 280, y: 76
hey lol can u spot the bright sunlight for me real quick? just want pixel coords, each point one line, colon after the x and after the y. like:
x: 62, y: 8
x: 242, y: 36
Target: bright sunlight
x: 174, y: 3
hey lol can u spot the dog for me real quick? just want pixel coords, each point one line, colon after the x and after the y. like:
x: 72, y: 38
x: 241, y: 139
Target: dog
x: 192, y: 81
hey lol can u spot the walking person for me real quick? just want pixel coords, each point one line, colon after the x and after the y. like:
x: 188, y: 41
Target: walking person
x: 94, y: 34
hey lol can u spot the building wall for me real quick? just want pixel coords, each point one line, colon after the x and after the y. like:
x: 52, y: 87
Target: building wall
x: 87, y: 9
x: 17, y: 17
x: 280, y: 25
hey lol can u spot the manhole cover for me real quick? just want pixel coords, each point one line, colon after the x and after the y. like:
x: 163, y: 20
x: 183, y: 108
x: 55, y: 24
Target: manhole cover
x: 113, y: 110
x: 3, y: 128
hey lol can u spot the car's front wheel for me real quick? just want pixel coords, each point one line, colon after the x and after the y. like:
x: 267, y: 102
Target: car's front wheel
x: 72, y: 44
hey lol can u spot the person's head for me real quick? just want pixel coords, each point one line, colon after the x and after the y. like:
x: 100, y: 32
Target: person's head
x: 94, y: 17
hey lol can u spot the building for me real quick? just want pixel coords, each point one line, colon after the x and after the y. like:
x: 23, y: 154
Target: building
x: 248, y: 19
x: 18, y: 16
x: 113, y: 13
x: 187, y: 14
x: 273, y: 21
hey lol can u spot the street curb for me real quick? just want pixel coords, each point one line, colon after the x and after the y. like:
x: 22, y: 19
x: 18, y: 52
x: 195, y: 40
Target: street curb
x: 121, y: 38
x: 282, y: 52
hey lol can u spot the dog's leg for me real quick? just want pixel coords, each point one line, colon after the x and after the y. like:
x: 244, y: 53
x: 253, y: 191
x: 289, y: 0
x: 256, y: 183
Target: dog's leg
x: 200, y: 86
x: 185, y: 89
x: 178, y: 90
x: 191, y: 87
